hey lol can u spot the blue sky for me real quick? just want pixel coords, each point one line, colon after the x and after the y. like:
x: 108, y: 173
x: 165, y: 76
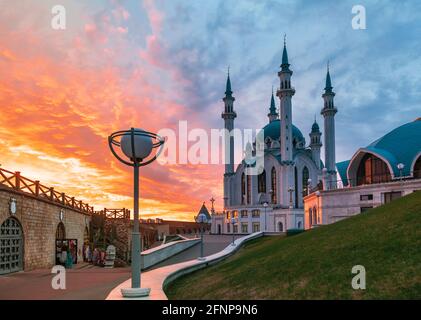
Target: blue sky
x: 375, y: 72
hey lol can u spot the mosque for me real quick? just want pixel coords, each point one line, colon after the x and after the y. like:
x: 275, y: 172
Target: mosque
x: 294, y: 188
x: 272, y: 200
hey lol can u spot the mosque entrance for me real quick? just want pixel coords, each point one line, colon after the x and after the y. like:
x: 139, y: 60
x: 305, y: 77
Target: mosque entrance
x: 11, y: 246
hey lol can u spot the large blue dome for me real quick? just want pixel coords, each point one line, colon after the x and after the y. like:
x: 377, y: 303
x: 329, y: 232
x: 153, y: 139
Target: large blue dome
x: 273, y: 130
x: 400, y: 145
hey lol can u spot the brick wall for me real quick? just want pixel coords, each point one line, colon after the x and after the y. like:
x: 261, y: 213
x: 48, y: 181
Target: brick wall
x: 39, y: 220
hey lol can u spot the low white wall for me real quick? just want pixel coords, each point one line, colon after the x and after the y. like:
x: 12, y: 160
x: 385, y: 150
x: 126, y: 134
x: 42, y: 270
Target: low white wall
x: 156, y: 255
x: 210, y: 260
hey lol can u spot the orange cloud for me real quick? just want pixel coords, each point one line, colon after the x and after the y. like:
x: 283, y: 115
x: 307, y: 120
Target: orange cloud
x: 60, y: 98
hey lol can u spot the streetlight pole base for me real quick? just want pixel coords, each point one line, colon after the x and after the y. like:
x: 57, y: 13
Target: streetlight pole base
x: 135, y: 292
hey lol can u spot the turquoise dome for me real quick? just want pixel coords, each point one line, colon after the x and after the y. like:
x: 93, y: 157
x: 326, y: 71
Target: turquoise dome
x: 400, y: 145
x: 273, y: 130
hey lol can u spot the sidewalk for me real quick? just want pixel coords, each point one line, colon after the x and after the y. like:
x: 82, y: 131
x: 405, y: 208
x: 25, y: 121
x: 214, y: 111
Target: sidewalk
x: 156, y: 278
x: 84, y: 282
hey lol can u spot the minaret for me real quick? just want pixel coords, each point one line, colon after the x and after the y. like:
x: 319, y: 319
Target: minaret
x: 228, y: 115
x: 285, y: 93
x: 329, y: 110
x: 315, y: 143
x: 272, y: 115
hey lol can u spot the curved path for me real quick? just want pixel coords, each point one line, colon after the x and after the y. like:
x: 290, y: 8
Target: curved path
x: 211, y: 244
x: 156, y: 279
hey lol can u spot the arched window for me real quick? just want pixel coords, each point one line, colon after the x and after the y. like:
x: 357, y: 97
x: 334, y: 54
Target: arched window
x: 306, y: 176
x: 243, y: 188
x: 261, y: 182
x: 60, y: 231
x: 273, y: 180
x: 417, y: 168
x: 248, y: 189
x: 372, y: 170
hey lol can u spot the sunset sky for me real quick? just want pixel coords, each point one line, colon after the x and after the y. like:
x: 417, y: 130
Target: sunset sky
x: 151, y: 64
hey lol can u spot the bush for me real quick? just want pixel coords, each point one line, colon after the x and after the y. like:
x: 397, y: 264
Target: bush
x: 292, y: 232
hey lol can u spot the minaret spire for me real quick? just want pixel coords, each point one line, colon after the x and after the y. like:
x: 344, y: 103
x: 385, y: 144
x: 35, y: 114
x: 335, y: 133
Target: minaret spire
x: 228, y: 90
x: 285, y: 64
x: 272, y: 115
x: 328, y: 86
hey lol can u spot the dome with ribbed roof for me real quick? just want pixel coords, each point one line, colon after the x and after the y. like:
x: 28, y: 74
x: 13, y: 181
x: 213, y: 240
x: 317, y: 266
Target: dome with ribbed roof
x: 273, y: 130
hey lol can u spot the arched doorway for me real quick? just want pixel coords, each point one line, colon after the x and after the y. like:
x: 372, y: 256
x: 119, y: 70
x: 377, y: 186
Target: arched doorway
x: 219, y: 229
x: 11, y: 246
x: 280, y: 227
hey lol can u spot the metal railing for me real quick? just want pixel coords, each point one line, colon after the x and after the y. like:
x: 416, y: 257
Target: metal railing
x: 369, y: 180
x: 114, y: 213
x: 17, y: 182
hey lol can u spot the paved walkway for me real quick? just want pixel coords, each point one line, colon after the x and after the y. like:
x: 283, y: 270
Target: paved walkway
x: 85, y: 282
x: 155, y: 278
x: 211, y: 244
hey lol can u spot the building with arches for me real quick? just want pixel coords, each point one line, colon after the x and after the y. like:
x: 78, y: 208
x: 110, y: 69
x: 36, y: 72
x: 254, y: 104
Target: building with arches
x: 271, y: 198
x: 387, y: 169
x: 33, y: 221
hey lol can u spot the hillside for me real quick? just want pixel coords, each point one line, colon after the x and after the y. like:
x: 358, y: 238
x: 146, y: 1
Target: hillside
x: 317, y: 264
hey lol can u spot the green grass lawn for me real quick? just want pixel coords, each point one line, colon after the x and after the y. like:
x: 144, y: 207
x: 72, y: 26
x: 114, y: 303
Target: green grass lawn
x: 317, y: 264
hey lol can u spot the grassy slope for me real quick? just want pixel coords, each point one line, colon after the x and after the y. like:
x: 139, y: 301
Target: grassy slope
x: 317, y: 264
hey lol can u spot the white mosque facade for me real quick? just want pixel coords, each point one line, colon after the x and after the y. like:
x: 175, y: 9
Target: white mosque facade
x: 294, y: 189
x: 272, y: 200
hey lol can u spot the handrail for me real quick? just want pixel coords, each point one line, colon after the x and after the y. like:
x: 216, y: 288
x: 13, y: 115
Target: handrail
x: 17, y: 182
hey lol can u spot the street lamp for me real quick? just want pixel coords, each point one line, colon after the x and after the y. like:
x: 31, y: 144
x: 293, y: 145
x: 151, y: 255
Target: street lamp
x: 201, y: 219
x: 265, y: 205
x: 137, y: 146
x: 400, y: 168
x: 233, y: 221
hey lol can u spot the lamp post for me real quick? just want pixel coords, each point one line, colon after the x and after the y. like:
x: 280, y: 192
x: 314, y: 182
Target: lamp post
x: 233, y: 223
x: 201, y: 219
x: 400, y: 167
x: 265, y: 205
x: 137, y: 146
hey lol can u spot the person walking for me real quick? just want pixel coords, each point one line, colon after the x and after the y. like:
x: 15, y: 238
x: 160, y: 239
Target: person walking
x: 69, y: 260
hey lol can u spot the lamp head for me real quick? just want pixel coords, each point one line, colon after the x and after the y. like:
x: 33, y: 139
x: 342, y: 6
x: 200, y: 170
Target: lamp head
x: 400, y: 166
x: 142, y: 146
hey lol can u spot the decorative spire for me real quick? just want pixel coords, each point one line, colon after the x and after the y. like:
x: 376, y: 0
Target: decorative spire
x: 272, y: 108
x: 285, y: 64
x: 228, y: 90
x: 328, y: 87
x: 315, y: 126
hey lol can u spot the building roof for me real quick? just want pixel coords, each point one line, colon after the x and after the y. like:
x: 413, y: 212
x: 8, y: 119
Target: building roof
x: 341, y: 167
x: 401, y: 145
x: 205, y: 211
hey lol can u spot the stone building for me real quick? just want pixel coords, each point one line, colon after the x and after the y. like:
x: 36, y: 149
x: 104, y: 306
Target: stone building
x: 32, y: 218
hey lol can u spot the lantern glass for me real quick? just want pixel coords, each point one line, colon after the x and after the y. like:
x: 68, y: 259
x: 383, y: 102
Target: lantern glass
x: 142, y: 145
